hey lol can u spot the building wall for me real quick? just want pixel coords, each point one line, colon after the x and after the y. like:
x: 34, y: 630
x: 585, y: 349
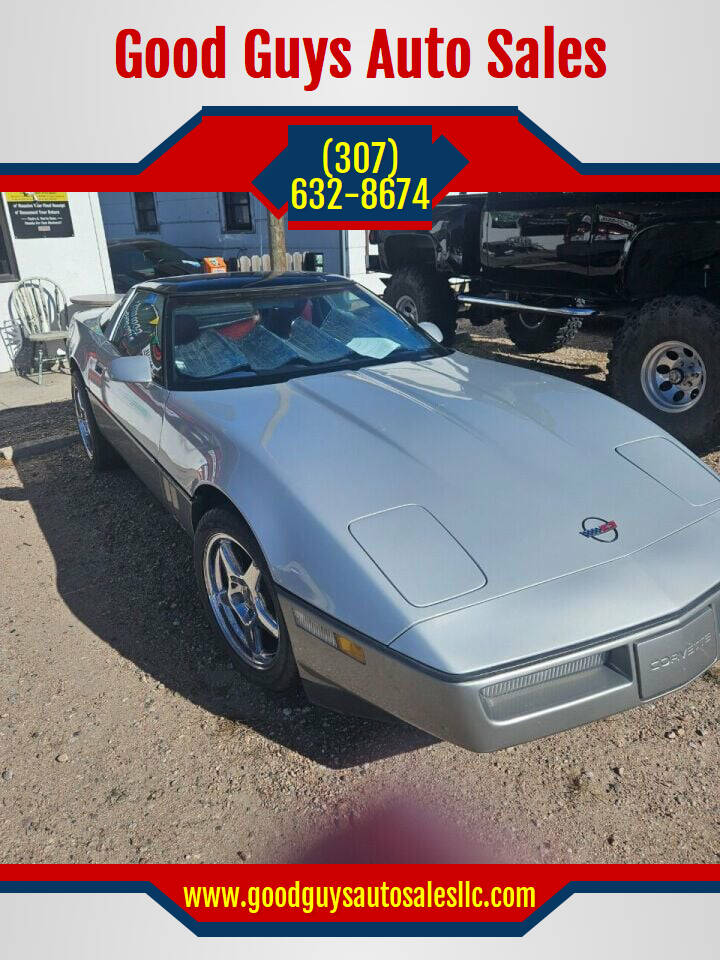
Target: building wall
x: 79, y: 264
x: 195, y: 222
x: 357, y: 249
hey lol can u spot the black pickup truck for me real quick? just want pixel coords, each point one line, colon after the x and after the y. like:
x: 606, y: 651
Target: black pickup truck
x: 546, y: 262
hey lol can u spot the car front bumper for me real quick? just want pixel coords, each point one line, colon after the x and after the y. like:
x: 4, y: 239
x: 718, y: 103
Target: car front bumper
x: 514, y: 704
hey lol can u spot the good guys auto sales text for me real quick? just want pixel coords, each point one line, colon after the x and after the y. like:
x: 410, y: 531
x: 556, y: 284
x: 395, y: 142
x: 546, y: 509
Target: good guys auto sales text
x: 550, y: 55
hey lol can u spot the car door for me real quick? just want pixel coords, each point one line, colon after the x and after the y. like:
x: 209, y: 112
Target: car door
x: 537, y: 241
x: 131, y: 414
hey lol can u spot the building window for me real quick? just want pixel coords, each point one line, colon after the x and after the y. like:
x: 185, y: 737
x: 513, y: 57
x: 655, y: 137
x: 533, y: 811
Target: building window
x: 8, y: 266
x: 146, y: 213
x: 237, y: 212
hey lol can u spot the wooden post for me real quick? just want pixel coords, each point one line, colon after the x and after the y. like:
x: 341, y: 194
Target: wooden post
x: 276, y: 232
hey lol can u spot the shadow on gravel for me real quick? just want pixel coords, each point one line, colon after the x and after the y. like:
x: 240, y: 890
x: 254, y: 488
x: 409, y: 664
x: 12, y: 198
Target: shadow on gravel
x: 34, y: 423
x: 124, y: 569
x: 502, y: 352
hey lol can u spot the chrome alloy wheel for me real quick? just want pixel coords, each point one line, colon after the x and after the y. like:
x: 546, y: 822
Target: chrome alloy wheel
x: 407, y: 308
x: 246, y: 617
x: 673, y: 376
x: 81, y: 415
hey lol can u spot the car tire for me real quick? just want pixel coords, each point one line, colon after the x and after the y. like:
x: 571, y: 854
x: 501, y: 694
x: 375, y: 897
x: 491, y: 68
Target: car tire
x: 101, y: 454
x: 223, y: 526
x: 423, y: 296
x: 540, y: 333
x: 640, y: 364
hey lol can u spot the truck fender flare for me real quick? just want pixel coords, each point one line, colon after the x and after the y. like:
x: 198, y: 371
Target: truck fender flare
x: 656, y: 255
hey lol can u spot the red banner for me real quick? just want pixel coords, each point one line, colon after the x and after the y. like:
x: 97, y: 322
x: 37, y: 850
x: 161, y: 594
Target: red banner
x: 359, y: 900
x: 505, y: 150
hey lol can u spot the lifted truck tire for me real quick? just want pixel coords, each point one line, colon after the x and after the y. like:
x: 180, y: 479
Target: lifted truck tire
x: 423, y: 296
x: 665, y: 363
x: 540, y: 333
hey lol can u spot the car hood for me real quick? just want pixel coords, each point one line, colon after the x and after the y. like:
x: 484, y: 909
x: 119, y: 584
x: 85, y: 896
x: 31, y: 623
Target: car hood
x: 510, y: 464
x: 506, y: 464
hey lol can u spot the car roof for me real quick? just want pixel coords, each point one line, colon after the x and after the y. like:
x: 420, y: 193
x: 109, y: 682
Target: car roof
x: 134, y: 241
x: 224, y: 282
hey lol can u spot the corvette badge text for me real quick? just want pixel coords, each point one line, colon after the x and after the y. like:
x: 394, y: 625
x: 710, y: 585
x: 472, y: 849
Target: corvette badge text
x: 697, y: 646
x: 595, y: 528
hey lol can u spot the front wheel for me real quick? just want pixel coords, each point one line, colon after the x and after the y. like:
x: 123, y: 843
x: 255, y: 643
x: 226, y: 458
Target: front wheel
x: 241, y: 601
x: 540, y: 332
x: 100, y: 453
x: 665, y: 363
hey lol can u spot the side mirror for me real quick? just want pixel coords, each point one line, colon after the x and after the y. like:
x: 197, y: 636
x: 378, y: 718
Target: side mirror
x: 432, y: 330
x: 131, y: 369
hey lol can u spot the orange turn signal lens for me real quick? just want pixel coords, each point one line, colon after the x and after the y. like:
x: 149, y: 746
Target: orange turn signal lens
x: 350, y: 647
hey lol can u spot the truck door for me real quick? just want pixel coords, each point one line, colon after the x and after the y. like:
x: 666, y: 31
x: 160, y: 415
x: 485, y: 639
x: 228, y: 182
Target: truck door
x: 537, y: 241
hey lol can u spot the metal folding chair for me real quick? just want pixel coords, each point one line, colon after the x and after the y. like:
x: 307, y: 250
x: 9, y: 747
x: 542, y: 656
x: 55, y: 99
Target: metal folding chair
x: 40, y: 308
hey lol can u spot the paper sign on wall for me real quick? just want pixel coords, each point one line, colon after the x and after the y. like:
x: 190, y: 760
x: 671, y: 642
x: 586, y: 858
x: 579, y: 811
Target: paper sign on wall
x: 38, y: 215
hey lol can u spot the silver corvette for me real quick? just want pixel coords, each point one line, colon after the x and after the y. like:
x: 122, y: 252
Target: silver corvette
x: 487, y: 552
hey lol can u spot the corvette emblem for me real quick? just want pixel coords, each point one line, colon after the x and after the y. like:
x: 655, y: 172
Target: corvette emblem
x: 595, y: 528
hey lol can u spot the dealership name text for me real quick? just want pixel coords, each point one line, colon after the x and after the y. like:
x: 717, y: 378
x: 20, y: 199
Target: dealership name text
x: 309, y: 58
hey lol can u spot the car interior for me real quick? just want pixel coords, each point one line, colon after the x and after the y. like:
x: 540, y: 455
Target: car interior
x: 213, y: 339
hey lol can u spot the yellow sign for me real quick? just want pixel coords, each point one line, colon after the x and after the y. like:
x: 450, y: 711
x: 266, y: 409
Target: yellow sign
x: 36, y: 197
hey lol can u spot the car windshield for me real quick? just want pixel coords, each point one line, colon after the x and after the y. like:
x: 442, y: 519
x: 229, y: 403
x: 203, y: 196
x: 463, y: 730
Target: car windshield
x: 249, y: 336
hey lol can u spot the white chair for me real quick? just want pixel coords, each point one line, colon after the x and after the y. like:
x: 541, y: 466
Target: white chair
x: 40, y: 308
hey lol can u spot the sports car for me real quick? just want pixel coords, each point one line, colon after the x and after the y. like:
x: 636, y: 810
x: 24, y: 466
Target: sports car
x: 484, y: 551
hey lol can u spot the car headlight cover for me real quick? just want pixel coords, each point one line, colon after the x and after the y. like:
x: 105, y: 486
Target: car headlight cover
x: 674, y: 468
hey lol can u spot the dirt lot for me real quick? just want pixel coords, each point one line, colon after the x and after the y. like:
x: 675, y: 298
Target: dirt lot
x: 126, y: 735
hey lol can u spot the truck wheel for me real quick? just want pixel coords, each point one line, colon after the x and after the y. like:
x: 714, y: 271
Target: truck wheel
x: 540, y: 332
x: 423, y: 296
x: 665, y: 363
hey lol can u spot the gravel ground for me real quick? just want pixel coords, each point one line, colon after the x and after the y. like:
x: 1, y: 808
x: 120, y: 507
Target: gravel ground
x: 32, y: 424
x: 126, y: 735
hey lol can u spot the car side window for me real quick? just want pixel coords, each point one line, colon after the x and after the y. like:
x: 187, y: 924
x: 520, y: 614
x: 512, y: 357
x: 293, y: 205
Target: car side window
x: 129, y: 265
x: 127, y: 260
x: 110, y: 315
x: 139, y: 329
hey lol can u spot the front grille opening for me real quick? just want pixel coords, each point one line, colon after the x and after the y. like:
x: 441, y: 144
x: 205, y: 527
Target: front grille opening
x: 560, y: 670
